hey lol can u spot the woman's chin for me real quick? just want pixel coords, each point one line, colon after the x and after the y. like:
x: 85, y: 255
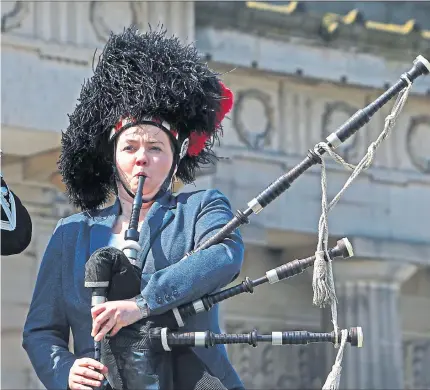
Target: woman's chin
x: 147, y: 193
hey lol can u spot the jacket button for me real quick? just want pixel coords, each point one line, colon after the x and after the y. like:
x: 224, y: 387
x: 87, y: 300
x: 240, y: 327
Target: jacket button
x: 159, y: 300
x: 167, y: 297
x: 175, y: 292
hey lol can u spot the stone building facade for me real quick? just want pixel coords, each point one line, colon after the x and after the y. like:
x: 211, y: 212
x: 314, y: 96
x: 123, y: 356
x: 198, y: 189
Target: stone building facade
x: 297, y: 71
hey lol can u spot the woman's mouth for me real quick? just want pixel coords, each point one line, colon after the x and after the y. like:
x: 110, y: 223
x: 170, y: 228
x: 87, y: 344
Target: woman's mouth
x: 141, y: 174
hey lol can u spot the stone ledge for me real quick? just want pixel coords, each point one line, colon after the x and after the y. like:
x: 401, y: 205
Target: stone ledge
x: 395, y: 251
x: 36, y: 140
x: 304, y: 60
x: 72, y: 54
x: 287, y: 161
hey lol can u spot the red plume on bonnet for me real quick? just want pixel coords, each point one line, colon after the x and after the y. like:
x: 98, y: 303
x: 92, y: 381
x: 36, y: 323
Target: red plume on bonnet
x: 197, y: 141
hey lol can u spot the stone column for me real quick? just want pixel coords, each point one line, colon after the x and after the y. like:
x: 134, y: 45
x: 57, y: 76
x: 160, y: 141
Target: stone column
x: 368, y: 293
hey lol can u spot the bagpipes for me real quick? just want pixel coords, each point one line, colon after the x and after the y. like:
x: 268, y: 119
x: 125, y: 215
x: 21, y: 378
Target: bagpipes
x: 112, y: 276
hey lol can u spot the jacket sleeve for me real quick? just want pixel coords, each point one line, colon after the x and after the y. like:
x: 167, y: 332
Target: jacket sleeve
x: 203, y: 272
x: 46, y: 330
x: 17, y: 240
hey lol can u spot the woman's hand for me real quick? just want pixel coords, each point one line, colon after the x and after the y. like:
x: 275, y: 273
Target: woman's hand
x: 113, y: 316
x: 83, y: 374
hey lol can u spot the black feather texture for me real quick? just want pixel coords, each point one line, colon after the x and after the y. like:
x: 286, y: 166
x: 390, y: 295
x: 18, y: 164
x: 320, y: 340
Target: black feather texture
x: 138, y: 75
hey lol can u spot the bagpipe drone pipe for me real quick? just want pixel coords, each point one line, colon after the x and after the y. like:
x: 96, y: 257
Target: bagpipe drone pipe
x: 111, y: 275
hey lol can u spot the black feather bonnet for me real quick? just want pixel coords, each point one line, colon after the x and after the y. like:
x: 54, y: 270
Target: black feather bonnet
x: 140, y: 75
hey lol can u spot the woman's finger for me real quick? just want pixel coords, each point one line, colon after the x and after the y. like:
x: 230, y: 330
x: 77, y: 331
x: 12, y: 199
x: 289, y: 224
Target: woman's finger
x: 106, y: 328
x: 73, y: 385
x: 97, y: 309
x: 103, y: 370
x: 92, y: 363
x: 86, y: 381
x: 101, y: 319
x: 87, y: 373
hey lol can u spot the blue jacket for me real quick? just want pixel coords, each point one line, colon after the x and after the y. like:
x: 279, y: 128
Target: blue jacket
x: 173, y: 226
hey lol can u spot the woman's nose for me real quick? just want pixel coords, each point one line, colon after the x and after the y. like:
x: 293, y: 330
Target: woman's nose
x: 141, y: 158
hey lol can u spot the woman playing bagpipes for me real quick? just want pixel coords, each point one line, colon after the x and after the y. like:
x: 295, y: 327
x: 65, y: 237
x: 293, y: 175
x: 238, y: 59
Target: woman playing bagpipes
x: 151, y: 109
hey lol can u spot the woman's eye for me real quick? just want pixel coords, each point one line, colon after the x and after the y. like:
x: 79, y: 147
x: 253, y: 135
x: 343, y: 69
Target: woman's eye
x: 132, y: 148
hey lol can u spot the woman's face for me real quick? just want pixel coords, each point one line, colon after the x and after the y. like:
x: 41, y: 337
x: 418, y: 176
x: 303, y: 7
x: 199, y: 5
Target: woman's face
x: 143, y: 149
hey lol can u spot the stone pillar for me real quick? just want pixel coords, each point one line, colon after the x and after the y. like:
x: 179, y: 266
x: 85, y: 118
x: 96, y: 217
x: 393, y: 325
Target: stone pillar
x: 368, y: 293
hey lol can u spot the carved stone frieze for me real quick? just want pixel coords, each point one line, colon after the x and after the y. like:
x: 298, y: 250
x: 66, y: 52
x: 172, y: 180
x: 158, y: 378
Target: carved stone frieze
x: 240, y: 355
x: 253, y: 118
x: 416, y: 360
x: 107, y: 16
x: 13, y: 16
x: 274, y: 367
x: 418, y: 142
